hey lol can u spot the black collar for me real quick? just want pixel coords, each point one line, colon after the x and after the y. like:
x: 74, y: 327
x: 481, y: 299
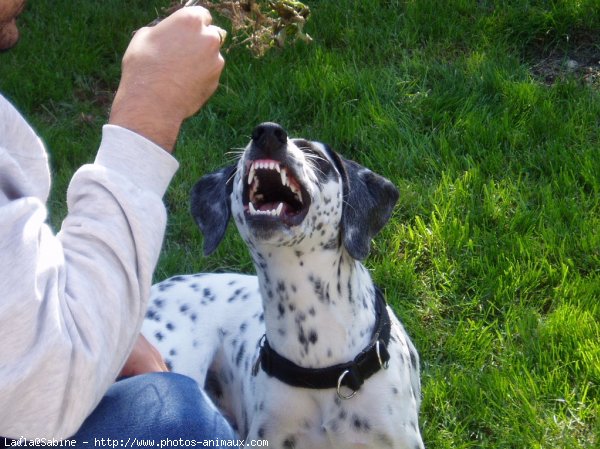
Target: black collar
x: 350, y: 374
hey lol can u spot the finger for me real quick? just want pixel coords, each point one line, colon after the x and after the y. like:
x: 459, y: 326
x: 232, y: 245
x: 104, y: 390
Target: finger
x: 222, y: 35
x: 202, y: 13
x: 218, y: 34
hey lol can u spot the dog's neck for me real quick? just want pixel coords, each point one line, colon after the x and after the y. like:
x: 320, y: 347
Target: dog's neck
x: 319, y: 305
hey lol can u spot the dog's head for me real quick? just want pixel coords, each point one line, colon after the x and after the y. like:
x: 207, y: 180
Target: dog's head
x: 290, y: 192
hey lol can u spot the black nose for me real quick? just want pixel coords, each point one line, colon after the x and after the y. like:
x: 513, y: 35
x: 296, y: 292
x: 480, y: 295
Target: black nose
x: 269, y: 136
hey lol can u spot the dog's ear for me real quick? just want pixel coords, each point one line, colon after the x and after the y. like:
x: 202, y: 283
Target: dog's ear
x: 368, y: 203
x: 211, y: 206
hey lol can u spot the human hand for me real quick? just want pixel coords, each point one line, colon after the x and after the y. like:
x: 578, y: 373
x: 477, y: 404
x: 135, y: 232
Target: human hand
x: 169, y: 71
x: 144, y: 358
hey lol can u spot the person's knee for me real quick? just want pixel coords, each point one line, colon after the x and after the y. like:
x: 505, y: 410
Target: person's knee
x: 157, y: 405
x: 188, y: 407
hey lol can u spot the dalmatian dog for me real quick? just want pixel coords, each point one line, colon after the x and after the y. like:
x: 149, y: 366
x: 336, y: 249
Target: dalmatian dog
x: 306, y: 354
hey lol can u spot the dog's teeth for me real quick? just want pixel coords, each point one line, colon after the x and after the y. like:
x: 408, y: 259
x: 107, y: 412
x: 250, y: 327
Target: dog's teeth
x: 296, y: 192
x: 252, y: 209
x: 276, y: 167
x: 253, y: 187
x: 284, y: 180
x: 278, y: 210
x: 251, y: 173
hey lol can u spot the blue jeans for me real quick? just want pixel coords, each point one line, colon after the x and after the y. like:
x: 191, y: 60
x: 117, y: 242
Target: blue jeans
x: 155, y: 406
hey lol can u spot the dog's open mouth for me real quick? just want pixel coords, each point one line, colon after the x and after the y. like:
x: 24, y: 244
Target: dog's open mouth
x: 272, y: 192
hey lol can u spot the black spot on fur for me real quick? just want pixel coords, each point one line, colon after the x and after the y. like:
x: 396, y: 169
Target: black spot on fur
x: 240, y: 354
x: 319, y: 289
x: 235, y: 295
x: 413, y: 359
x: 170, y: 326
x: 289, y: 442
x: 331, y: 244
x: 303, y: 340
x: 360, y: 424
x: 165, y: 286
x: 184, y: 308
x: 153, y: 315
x: 209, y: 295
x: 159, y: 336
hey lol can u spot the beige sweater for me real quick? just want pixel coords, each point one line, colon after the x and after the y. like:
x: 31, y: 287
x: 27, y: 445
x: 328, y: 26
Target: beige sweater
x: 71, y: 304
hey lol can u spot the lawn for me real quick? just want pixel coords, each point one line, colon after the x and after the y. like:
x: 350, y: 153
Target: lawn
x: 485, y: 114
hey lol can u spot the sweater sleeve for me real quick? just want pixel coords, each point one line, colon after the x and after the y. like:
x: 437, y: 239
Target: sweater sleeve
x: 72, y: 303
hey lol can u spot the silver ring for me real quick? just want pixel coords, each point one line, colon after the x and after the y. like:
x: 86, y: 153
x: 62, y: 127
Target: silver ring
x: 339, y: 386
x: 384, y: 365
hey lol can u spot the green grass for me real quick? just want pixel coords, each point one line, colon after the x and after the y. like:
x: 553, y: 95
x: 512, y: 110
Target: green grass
x: 492, y: 257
